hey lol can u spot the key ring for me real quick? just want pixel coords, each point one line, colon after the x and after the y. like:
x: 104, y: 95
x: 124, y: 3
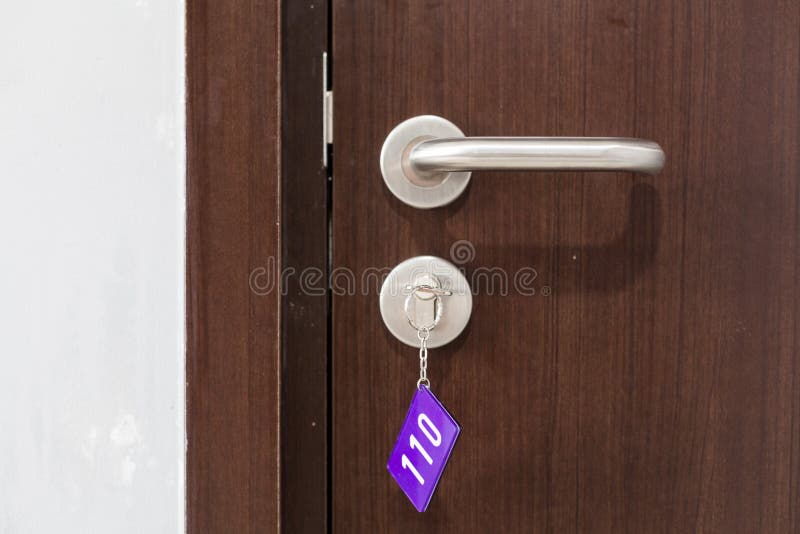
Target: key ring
x: 423, y: 305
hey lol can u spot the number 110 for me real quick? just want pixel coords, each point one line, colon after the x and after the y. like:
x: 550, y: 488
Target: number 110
x: 434, y: 436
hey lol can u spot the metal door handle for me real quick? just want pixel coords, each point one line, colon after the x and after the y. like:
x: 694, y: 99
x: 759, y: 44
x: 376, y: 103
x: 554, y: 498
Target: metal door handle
x: 427, y: 161
x: 436, y: 156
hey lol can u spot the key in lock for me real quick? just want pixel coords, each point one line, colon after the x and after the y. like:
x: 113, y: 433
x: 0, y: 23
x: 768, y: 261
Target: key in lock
x: 424, y: 305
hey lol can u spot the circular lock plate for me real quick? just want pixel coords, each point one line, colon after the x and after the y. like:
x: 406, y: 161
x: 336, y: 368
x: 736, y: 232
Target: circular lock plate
x: 402, y: 181
x: 456, y: 308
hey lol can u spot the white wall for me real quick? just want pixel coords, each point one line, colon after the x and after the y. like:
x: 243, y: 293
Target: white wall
x: 91, y: 266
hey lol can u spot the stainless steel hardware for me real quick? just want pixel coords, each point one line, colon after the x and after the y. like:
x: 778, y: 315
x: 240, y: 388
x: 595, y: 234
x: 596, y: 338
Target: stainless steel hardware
x: 327, y: 111
x: 424, y: 302
x: 429, y: 293
x: 426, y: 161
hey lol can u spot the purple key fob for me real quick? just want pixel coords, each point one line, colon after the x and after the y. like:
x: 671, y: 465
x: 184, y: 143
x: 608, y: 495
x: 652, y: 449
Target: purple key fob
x: 423, y: 448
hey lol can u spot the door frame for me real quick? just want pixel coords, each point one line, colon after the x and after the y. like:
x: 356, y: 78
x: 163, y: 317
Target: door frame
x: 257, y: 217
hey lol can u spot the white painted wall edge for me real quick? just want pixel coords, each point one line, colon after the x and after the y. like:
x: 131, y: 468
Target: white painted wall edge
x: 92, y: 210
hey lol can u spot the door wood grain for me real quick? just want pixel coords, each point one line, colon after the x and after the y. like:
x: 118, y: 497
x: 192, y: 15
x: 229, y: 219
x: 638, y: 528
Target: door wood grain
x: 652, y: 382
x: 233, y: 216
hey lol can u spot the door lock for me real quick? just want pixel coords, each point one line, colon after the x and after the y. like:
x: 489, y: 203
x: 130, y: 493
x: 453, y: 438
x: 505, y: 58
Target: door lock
x: 426, y: 293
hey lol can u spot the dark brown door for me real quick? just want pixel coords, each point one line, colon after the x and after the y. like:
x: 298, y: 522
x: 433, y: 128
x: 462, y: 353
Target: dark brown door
x: 652, y: 382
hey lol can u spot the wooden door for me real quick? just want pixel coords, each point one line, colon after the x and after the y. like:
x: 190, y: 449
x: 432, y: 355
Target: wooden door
x: 652, y: 382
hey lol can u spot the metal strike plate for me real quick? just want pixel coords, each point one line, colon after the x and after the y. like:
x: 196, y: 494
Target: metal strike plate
x: 426, y: 292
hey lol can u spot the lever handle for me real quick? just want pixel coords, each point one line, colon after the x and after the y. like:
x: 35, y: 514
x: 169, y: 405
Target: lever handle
x: 427, y: 161
x: 436, y: 156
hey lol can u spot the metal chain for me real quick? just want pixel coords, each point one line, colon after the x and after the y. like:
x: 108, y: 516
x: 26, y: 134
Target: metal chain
x: 423, y: 335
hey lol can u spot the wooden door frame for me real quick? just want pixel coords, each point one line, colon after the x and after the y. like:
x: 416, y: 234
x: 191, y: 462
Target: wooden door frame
x: 257, y: 206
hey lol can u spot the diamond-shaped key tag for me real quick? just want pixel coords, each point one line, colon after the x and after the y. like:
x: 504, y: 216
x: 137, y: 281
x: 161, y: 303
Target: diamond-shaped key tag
x: 423, y: 448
